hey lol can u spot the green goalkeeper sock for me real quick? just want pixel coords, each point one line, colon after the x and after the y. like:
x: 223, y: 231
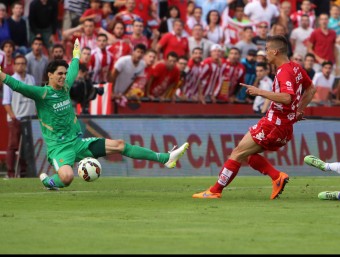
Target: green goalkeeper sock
x: 53, y: 181
x: 141, y: 153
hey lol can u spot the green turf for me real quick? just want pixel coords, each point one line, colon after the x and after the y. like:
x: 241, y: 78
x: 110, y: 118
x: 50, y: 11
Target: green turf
x: 158, y: 215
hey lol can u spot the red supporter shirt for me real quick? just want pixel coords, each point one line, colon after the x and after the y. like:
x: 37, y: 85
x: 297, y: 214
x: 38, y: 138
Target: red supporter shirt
x: 170, y: 42
x: 163, y: 78
x: 323, y: 45
x: 142, y: 9
x: 99, y: 16
x: 119, y: 48
x: 290, y: 78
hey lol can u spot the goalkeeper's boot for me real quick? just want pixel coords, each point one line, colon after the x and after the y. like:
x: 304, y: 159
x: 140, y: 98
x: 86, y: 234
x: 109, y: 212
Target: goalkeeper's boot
x: 47, y: 182
x: 329, y: 195
x: 315, y: 162
x: 207, y: 194
x: 175, y: 155
x: 279, y: 184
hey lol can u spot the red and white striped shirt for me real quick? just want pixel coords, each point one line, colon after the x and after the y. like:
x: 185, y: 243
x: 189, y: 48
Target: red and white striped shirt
x: 290, y: 78
x: 211, y: 76
x: 190, y: 87
x: 101, y: 64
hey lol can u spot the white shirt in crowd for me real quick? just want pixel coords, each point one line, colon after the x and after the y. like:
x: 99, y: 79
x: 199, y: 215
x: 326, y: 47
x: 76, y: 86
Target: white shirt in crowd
x: 128, y: 72
x: 265, y: 84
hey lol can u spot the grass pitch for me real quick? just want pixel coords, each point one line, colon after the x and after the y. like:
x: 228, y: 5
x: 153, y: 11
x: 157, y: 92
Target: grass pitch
x: 158, y: 215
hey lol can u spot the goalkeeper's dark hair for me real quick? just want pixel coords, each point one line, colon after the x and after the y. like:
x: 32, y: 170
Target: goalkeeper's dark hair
x: 53, y: 65
x: 280, y: 43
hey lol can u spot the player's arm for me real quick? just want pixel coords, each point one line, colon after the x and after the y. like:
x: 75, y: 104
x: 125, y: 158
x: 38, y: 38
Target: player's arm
x: 35, y: 92
x: 72, y: 71
x: 283, y: 98
x: 307, y: 97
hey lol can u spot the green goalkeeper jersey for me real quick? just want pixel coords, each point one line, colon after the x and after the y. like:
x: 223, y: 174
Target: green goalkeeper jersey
x: 57, y: 117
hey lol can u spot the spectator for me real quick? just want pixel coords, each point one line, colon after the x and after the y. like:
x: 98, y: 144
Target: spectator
x: 166, y: 25
x: 306, y: 9
x: 213, y: 30
x: 108, y: 15
x: 249, y: 63
x: 174, y: 41
x: 189, y: 91
x: 334, y: 19
x: 57, y: 52
x: 138, y: 87
x: 297, y: 58
x: 261, y: 35
x: 210, y: 5
x: 120, y: 47
x: 8, y: 48
x: 18, y: 28
x: 308, y: 65
x: 262, y: 82
x: 246, y: 44
x: 182, y: 6
x: 85, y: 32
x: 197, y: 40
x: 322, y: 42
x: 73, y: 10
x: 125, y: 72
x: 85, y: 56
x: 233, y: 75
x: 95, y: 13
x: 17, y: 106
x: 36, y: 61
x: 182, y: 64
x: 260, y: 56
x: 4, y: 26
x: 101, y: 62
x: 284, y: 17
x: 261, y: 11
x: 137, y: 36
x: 128, y: 16
x: 43, y: 18
x: 300, y: 36
x: 323, y: 82
x: 164, y: 77
x: 196, y: 18
x: 233, y: 27
x: 211, y: 76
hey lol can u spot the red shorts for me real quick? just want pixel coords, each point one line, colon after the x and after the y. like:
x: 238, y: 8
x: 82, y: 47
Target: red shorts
x: 270, y: 136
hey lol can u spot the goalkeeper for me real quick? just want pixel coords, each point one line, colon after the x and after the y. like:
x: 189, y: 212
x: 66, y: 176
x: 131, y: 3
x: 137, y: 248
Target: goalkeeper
x: 61, y: 129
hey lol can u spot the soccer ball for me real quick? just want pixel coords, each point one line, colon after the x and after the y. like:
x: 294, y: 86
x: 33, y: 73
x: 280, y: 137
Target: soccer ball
x: 89, y: 169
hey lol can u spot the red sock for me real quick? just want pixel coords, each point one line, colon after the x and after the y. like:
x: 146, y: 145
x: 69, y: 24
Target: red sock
x: 226, y: 175
x: 261, y: 164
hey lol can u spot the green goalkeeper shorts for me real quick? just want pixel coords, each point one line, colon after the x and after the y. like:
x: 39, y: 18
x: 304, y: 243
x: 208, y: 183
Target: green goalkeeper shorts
x: 71, y: 152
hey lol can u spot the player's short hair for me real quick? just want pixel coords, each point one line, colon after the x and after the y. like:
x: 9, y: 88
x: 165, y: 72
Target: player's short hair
x: 279, y: 42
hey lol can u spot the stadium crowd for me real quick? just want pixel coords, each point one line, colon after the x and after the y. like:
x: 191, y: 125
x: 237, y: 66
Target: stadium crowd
x: 175, y: 50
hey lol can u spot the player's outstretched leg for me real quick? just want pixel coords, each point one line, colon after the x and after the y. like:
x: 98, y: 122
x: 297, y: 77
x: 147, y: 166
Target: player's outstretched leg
x: 168, y: 159
x: 329, y: 195
x: 311, y: 160
x: 51, y: 183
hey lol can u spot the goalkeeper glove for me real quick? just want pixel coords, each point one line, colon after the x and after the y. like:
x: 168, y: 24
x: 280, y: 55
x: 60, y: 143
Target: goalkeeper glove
x: 76, y: 49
